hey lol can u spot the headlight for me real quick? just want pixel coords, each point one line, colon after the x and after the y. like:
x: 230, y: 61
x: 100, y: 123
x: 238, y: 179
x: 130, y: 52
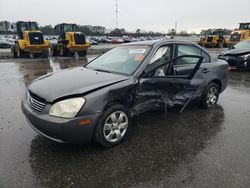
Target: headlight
x: 223, y: 57
x: 245, y: 56
x: 67, y: 108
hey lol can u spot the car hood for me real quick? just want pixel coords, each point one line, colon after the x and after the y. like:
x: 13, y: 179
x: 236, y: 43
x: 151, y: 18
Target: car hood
x: 236, y: 52
x: 70, y: 82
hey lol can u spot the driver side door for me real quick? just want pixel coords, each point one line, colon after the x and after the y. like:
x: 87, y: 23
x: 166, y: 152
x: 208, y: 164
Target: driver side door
x: 160, y: 87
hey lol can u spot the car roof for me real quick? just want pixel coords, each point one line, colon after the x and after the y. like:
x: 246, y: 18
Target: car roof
x: 156, y: 43
x: 159, y: 42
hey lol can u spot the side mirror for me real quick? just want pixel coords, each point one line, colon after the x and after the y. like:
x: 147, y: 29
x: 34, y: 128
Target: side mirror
x: 231, y: 47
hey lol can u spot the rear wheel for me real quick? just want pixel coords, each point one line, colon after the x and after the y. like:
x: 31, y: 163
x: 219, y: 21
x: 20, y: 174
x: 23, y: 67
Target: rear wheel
x: 82, y: 53
x: 210, y: 96
x: 13, y: 51
x: 113, y: 126
x: 37, y: 55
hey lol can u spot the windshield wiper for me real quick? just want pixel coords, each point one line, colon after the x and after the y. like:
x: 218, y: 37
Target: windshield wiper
x: 102, y: 70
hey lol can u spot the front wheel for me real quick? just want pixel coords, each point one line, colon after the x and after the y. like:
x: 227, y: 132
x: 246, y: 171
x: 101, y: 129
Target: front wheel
x: 19, y: 52
x: 113, y: 126
x: 210, y: 96
x: 63, y: 51
x: 53, y: 50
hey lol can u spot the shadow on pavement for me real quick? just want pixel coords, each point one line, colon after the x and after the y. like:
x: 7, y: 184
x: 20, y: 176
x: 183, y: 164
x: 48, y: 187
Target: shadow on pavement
x: 152, y: 152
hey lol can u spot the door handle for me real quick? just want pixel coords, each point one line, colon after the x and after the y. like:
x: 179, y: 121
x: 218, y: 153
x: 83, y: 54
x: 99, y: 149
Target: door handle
x: 205, y: 70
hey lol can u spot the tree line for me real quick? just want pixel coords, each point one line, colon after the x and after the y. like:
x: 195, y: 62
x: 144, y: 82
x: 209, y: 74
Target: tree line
x: 7, y: 27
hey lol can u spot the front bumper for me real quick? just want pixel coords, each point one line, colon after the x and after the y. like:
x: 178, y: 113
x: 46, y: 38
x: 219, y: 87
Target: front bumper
x: 234, y: 61
x: 60, y: 129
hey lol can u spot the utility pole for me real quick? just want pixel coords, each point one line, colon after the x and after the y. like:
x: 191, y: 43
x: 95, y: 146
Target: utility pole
x: 116, y: 13
x: 175, y: 27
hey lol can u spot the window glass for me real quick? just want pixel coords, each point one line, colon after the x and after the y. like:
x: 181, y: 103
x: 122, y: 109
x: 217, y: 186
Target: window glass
x: 243, y: 45
x: 187, y: 50
x: 121, y: 60
x: 206, y: 57
x: 162, y: 55
x: 191, y: 50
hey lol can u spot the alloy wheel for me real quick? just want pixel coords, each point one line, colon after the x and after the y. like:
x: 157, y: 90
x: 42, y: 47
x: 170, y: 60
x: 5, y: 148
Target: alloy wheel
x: 212, y: 96
x: 115, y: 126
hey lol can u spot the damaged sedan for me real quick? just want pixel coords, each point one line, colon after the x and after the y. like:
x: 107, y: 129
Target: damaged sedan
x: 98, y: 101
x: 238, y: 56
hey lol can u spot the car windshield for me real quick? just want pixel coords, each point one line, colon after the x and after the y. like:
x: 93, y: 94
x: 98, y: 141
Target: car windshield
x: 123, y: 60
x: 243, y: 45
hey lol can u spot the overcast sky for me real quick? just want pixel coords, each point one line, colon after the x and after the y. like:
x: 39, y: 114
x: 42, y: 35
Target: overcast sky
x: 156, y: 15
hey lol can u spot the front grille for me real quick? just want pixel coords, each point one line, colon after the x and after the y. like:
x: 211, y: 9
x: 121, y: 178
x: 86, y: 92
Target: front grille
x: 79, y: 38
x: 36, y: 38
x: 235, y: 37
x: 35, y: 103
x: 209, y: 39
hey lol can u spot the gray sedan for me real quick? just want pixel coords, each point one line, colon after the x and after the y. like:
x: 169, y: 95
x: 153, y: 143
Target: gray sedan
x: 98, y: 101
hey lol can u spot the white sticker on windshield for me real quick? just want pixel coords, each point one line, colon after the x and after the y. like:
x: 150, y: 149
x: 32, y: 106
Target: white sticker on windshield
x: 137, y: 51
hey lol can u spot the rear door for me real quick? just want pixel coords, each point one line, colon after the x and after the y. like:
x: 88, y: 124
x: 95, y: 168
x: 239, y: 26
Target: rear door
x: 184, y: 66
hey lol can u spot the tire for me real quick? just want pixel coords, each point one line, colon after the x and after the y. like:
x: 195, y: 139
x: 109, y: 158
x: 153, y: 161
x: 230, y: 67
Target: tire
x: 37, y: 55
x: 13, y: 51
x: 221, y: 45
x: 210, y: 96
x: 54, y: 50
x: 45, y: 54
x: 82, y: 53
x: 248, y: 62
x: 111, y: 130
x: 63, y: 51
x: 19, y: 52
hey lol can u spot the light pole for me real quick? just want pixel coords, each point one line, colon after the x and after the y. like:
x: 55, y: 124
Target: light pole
x: 116, y: 13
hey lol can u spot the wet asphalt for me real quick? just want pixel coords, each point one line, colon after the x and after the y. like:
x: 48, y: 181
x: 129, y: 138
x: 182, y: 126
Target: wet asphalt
x: 198, y: 148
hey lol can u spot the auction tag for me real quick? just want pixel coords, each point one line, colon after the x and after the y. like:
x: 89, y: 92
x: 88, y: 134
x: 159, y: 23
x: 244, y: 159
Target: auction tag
x: 137, y: 51
x: 139, y: 58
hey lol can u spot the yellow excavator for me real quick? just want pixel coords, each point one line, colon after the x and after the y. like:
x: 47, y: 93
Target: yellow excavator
x: 30, y: 41
x: 69, y: 41
x: 243, y: 33
x: 216, y: 39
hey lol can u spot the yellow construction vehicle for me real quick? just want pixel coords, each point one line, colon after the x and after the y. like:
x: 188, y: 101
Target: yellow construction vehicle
x: 202, y: 41
x: 243, y: 33
x: 30, y: 41
x: 216, y: 39
x: 69, y: 41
